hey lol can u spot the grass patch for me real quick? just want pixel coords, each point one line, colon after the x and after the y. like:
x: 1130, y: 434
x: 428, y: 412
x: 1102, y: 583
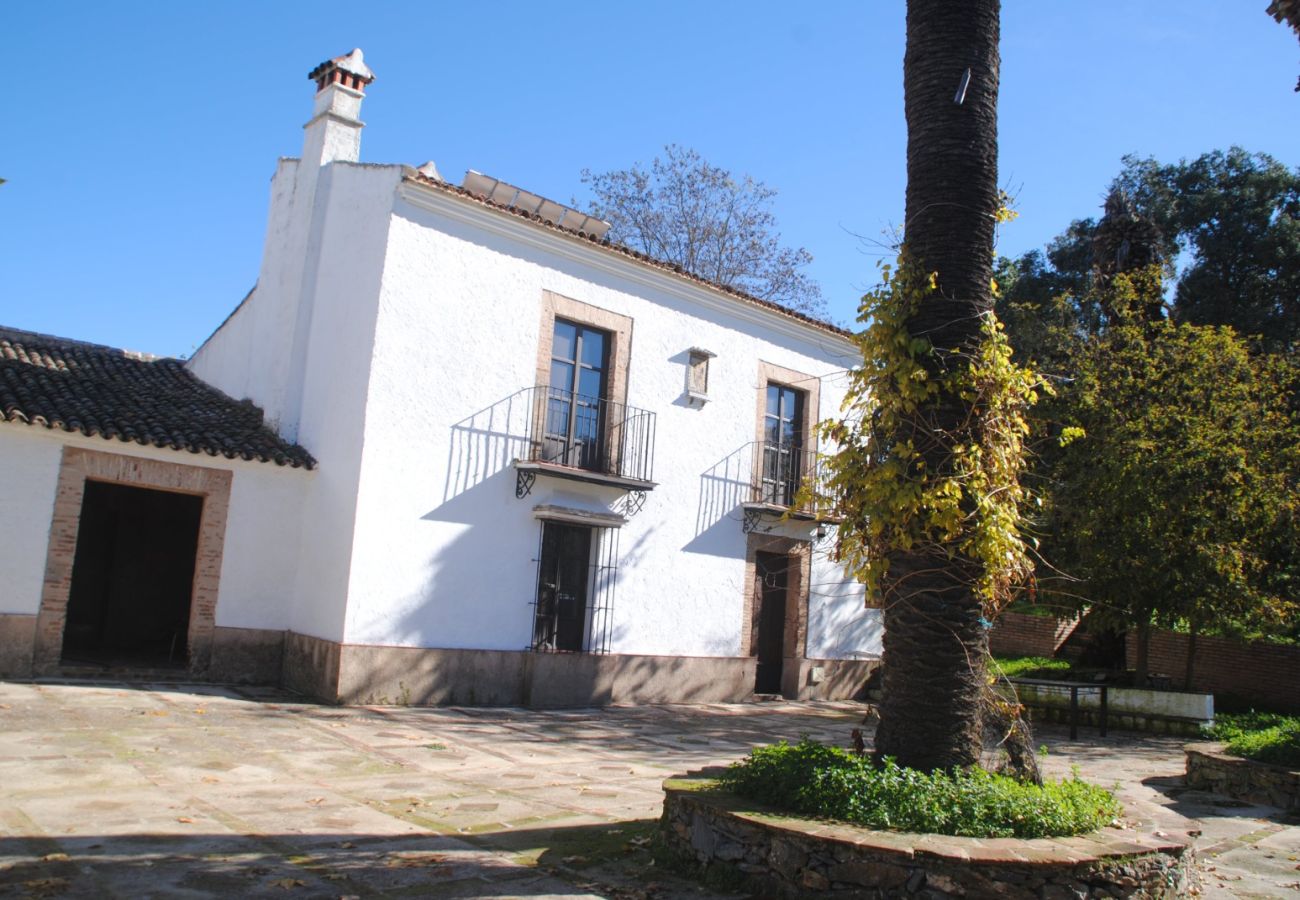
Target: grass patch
x: 1265, y: 737
x: 1031, y: 666
x: 826, y: 782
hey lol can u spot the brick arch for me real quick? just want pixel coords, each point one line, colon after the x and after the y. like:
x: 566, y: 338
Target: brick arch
x: 77, y: 466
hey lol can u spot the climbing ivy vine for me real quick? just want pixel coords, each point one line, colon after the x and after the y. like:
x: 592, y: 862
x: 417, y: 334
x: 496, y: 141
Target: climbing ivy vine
x: 899, y: 485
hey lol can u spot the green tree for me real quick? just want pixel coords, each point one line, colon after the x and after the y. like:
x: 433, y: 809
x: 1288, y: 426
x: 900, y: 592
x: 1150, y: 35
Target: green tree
x: 1237, y: 215
x: 1179, y: 504
x: 711, y: 223
x: 1228, y: 226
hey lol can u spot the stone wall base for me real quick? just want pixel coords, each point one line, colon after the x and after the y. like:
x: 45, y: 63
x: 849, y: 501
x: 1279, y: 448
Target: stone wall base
x: 362, y: 674
x: 246, y: 655
x: 796, y: 858
x: 433, y: 677
x: 17, y: 641
x: 410, y: 676
x: 1210, y: 769
x: 311, y: 666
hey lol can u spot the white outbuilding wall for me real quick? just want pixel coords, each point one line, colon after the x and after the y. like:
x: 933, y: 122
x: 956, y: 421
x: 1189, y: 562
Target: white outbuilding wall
x: 259, y: 561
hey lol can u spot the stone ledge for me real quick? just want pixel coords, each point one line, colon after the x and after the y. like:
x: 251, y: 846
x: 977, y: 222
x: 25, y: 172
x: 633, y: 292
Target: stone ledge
x: 1210, y: 769
x: 793, y: 857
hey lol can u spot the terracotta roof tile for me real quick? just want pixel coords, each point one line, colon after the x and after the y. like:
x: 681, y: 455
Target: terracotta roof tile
x: 624, y: 250
x: 96, y: 390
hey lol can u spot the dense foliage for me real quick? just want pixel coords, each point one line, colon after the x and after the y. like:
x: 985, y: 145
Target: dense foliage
x: 1168, y: 458
x: 1228, y: 231
x: 713, y: 224
x: 1265, y: 737
x: 1177, y: 502
x: 812, y: 779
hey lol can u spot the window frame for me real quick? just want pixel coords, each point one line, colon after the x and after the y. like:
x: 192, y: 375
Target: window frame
x: 808, y: 389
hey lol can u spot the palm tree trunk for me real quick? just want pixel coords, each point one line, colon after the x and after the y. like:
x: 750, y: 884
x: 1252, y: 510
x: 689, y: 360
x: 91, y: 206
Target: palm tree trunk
x: 935, y: 634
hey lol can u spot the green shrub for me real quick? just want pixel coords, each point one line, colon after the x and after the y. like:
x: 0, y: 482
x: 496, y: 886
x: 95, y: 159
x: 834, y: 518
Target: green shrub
x: 1031, y: 666
x: 815, y: 780
x: 1266, y: 737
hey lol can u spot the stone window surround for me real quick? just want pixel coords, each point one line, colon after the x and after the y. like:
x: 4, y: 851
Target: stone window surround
x: 619, y: 327
x: 80, y: 465
x: 808, y: 385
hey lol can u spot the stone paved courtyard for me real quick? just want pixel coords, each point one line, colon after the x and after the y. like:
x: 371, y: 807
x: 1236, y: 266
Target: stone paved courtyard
x: 115, y: 790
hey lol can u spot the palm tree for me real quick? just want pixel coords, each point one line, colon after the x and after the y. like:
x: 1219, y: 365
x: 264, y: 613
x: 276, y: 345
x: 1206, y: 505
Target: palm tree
x: 936, y: 636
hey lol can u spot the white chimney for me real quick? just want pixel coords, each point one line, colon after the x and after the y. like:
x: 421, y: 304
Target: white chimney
x: 334, y: 132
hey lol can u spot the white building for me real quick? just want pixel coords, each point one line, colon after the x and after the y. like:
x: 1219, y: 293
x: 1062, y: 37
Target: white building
x: 543, y: 470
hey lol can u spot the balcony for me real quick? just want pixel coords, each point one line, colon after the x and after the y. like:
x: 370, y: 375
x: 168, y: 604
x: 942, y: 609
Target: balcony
x: 777, y: 474
x: 585, y: 438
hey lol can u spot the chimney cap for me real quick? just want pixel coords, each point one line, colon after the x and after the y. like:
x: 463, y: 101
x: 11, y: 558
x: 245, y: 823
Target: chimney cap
x: 350, y: 69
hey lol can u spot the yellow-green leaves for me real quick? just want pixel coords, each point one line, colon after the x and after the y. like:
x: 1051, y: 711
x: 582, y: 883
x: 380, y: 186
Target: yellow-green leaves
x: 892, y: 496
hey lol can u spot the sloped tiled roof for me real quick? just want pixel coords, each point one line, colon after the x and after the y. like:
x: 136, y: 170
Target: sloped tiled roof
x: 417, y: 177
x: 96, y: 390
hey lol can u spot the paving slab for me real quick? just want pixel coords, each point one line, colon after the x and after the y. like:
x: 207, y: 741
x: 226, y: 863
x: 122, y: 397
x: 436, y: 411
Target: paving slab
x: 111, y: 789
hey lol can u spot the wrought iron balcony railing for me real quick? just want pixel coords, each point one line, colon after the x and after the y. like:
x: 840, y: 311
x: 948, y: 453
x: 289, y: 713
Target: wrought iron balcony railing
x: 779, y: 471
x: 591, y: 434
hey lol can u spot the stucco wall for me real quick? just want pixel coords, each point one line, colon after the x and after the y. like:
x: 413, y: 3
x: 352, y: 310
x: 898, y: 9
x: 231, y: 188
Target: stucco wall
x: 28, y: 475
x: 300, y: 346
x: 445, y: 553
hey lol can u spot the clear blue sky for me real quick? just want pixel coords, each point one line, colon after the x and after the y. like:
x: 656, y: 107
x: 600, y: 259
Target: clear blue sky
x: 140, y: 137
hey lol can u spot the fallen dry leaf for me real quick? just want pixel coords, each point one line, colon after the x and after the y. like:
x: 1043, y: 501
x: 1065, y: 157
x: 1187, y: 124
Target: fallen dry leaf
x: 39, y: 886
x: 210, y: 779
x: 288, y: 883
x: 316, y: 801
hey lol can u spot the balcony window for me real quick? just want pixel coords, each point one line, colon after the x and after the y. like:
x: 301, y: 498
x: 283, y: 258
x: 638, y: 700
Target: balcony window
x: 781, y: 466
x: 575, y: 428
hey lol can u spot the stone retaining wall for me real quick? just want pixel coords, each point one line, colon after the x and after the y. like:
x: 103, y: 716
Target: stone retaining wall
x: 1210, y: 769
x: 793, y: 858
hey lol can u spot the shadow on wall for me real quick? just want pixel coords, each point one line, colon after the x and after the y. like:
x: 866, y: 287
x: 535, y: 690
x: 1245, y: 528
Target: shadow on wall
x: 723, y: 487
x: 849, y: 631
x: 487, y: 442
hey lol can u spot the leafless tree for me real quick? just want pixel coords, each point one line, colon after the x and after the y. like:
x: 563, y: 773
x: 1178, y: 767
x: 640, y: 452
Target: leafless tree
x: 711, y: 223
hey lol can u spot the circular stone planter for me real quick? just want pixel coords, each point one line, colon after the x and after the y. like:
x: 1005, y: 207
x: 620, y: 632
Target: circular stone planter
x: 1210, y: 769
x: 791, y: 857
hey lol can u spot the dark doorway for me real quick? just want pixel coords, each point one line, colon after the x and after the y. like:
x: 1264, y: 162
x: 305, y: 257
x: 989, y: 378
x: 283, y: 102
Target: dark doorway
x: 772, y: 574
x: 132, y: 577
x: 562, y: 576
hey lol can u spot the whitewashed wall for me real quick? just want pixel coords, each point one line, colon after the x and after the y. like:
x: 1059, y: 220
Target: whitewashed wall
x: 300, y: 347
x: 259, y: 562
x: 29, y: 474
x: 444, y: 553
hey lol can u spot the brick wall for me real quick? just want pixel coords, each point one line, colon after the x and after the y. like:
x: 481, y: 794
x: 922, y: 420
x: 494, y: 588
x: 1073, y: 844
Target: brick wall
x: 1254, y: 673
x: 1257, y: 673
x: 1016, y: 634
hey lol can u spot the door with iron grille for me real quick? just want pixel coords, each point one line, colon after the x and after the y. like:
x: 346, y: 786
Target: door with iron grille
x: 563, y: 577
